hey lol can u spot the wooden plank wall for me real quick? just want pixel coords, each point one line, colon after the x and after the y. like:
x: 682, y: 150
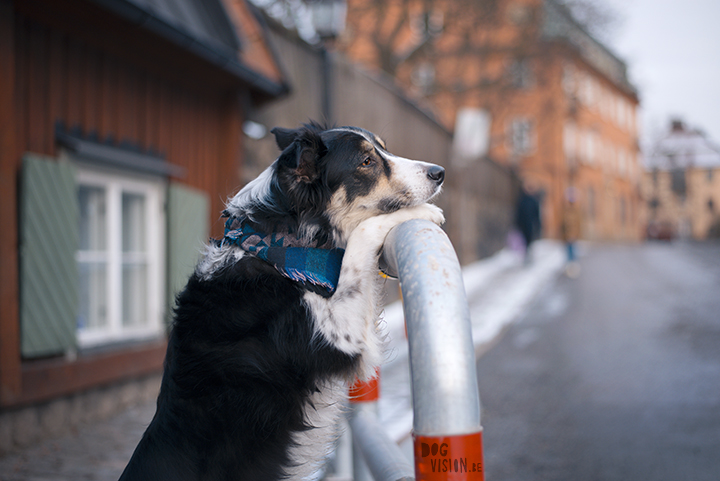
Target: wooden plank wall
x: 133, y: 90
x: 10, y: 382
x: 59, y: 78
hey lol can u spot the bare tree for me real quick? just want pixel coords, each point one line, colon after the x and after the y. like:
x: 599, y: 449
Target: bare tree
x: 449, y: 51
x: 596, y: 16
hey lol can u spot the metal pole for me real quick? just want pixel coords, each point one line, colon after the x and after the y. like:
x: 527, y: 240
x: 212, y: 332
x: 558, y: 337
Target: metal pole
x: 382, y: 456
x: 447, y: 431
x: 327, y: 94
x: 364, y: 403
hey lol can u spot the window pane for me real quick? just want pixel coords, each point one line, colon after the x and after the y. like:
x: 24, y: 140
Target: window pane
x: 133, y: 222
x: 93, y: 218
x: 93, y: 295
x: 134, y: 288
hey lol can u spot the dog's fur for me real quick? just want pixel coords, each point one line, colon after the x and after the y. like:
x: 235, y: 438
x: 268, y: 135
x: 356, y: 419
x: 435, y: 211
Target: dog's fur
x: 257, y: 365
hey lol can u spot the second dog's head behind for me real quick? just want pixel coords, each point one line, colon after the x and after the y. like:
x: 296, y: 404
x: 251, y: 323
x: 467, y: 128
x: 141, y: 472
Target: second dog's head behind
x: 326, y: 181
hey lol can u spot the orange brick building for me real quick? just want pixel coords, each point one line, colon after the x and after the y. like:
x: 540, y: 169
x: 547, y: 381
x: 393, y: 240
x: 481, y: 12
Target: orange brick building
x: 562, y: 111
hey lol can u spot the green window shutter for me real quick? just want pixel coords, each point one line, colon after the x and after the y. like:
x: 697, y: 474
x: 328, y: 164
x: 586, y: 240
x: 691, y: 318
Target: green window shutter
x: 49, y: 217
x: 188, y: 217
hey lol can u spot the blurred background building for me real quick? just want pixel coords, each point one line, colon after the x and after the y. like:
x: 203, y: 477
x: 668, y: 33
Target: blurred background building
x: 558, y: 105
x: 682, y: 185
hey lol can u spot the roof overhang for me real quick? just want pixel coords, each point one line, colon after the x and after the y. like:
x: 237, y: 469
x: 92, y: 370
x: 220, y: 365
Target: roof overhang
x: 202, y: 28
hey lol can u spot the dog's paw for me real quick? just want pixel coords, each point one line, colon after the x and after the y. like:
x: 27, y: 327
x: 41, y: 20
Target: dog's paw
x: 423, y: 211
x: 373, y: 230
x: 429, y: 212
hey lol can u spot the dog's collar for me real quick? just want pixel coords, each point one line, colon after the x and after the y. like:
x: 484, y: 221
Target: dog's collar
x: 293, y: 258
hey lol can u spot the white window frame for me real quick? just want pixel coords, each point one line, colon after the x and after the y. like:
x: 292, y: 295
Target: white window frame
x: 521, y: 74
x: 521, y: 137
x: 154, y: 190
x: 570, y: 144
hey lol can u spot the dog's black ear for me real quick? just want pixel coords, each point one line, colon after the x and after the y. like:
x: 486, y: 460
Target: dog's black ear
x: 302, y: 154
x: 284, y: 137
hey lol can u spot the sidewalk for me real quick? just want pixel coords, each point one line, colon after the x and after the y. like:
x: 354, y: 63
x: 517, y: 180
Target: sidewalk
x: 94, y: 452
x: 498, y: 290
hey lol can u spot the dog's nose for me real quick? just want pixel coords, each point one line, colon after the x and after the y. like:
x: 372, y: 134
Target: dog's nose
x: 436, y: 174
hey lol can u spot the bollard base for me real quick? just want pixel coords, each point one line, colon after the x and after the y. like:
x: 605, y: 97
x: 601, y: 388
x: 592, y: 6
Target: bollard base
x: 369, y: 391
x: 449, y: 458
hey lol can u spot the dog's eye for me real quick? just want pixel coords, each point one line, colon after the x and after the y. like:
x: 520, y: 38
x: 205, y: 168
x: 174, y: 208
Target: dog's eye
x: 367, y: 161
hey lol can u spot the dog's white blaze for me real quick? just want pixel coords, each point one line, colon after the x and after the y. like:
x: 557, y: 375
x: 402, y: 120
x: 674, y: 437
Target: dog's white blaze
x: 413, y: 175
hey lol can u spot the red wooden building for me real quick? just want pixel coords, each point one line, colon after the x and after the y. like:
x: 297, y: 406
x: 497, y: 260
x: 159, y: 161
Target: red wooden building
x: 120, y: 138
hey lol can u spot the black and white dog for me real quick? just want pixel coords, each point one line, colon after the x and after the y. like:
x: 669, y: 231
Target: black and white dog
x: 282, y: 313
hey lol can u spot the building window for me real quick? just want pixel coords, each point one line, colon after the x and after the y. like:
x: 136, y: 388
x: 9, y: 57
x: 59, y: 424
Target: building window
x: 521, y: 74
x: 654, y: 203
x: 522, y: 137
x: 709, y: 175
x: 568, y: 80
x: 678, y: 183
x: 423, y: 77
x: 122, y: 225
x: 570, y: 142
x: 591, y: 203
x: 711, y: 205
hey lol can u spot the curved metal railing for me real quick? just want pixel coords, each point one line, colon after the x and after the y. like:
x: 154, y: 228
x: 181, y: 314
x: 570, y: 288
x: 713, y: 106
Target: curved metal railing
x: 447, y: 431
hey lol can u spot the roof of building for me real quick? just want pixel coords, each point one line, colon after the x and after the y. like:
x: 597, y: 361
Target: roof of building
x: 683, y: 148
x: 202, y: 27
x: 559, y: 24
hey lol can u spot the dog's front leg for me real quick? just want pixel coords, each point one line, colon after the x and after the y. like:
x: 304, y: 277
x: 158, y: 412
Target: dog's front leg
x: 348, y: 319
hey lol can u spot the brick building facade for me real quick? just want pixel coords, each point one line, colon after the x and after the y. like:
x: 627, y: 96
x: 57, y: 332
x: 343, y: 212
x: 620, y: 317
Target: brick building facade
x: 562, y: 111
x: 682, y: 185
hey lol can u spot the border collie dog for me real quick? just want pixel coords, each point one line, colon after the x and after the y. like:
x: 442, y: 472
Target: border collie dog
x: 282, y: 313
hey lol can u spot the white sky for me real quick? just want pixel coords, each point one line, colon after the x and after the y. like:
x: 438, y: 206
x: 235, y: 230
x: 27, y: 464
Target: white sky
x: 672, y: 48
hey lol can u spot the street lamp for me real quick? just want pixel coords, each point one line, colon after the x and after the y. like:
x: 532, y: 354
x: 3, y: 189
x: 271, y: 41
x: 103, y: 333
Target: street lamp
x: 328, y: 19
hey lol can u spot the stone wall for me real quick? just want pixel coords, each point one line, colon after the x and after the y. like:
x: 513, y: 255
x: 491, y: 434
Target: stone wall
x: 21, y: 428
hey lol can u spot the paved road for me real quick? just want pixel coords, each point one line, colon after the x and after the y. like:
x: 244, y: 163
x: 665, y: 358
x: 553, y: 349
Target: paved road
x: 614, y: 375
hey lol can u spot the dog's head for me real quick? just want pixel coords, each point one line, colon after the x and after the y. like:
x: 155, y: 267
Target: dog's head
x: 326, y: 181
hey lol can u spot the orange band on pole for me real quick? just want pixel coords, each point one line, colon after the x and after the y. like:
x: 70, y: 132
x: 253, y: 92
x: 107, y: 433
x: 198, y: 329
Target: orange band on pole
x: 449, y: 458
x: 362, y: 392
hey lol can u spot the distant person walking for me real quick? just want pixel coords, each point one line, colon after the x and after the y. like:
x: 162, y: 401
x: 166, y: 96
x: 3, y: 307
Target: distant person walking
x: 527, y: 218
x: 571, y: 225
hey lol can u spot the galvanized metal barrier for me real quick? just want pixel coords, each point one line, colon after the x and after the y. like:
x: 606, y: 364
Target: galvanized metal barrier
x: 446, y: 404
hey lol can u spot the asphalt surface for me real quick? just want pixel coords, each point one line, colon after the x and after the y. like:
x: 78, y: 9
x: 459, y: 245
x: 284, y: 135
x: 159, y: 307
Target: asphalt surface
x: 614, y: 375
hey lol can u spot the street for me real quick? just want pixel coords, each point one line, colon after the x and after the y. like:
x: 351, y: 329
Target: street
x: 614, y: 375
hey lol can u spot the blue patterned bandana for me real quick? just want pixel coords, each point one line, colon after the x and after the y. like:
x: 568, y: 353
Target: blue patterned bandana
x: 319, y: 265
